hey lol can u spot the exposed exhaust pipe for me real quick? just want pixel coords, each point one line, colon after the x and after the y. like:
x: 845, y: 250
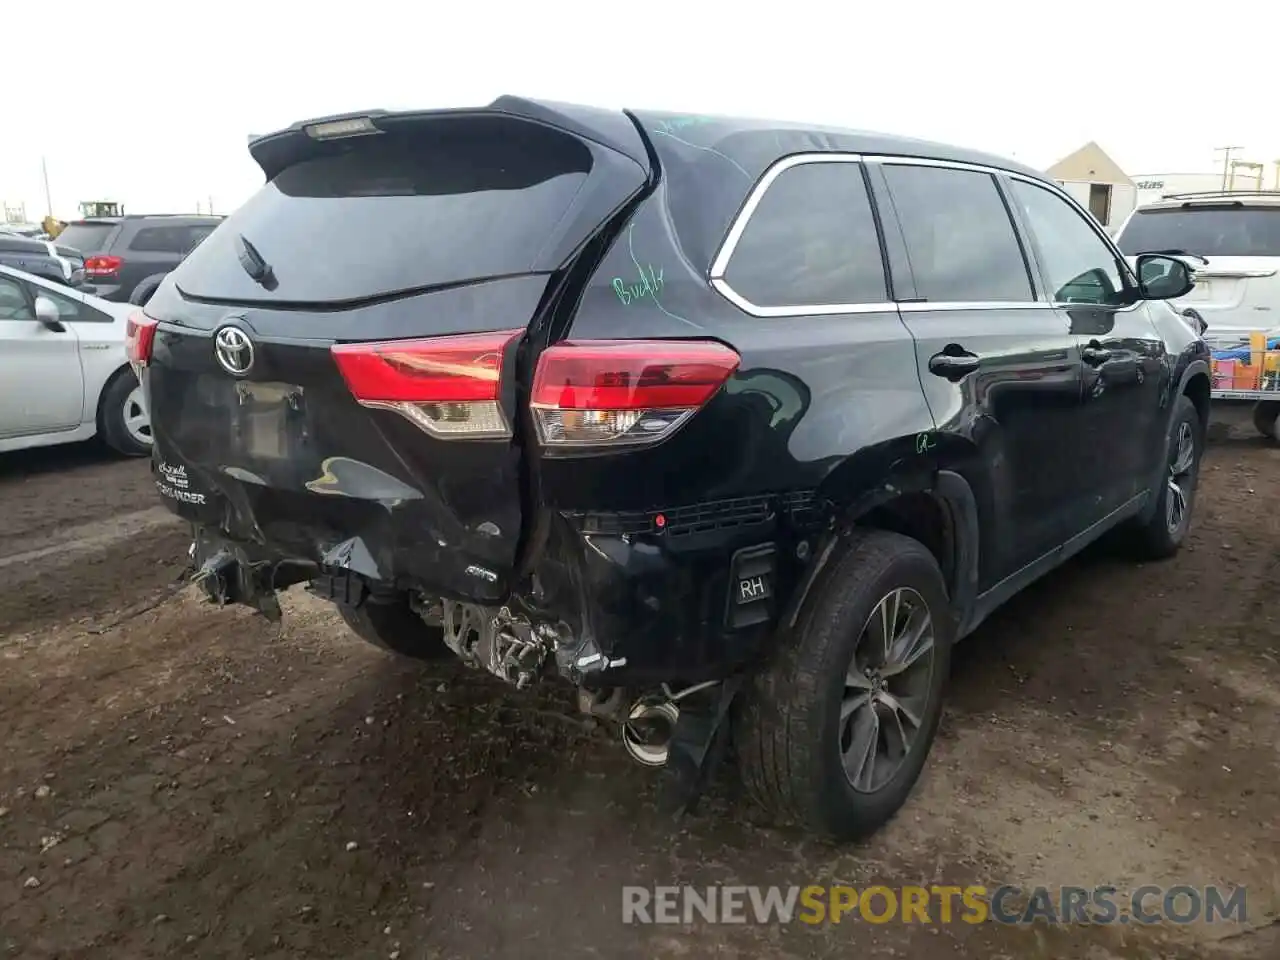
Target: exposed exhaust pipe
x: 647, y: 731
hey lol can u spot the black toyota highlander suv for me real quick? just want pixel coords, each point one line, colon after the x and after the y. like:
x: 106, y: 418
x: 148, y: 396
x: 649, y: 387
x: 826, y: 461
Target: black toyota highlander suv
x: 735, y: 425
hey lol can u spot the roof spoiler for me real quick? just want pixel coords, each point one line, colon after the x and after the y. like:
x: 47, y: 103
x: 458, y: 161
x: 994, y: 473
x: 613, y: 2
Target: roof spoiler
x: 274, y: 152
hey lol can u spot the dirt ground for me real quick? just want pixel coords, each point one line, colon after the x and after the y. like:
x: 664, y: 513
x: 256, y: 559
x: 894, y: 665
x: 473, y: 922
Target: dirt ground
x: 180, y: 780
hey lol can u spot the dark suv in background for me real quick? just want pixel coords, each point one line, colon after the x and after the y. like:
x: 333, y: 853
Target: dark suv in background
x: 127, y: 257
x: 735, y: 425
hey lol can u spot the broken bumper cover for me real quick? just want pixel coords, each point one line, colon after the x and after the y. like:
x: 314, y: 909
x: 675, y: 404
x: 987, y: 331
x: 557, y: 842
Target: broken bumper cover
x: 653, y: 608
x: 639, y: 613
x: 399, y: 538
x: 629, y: 607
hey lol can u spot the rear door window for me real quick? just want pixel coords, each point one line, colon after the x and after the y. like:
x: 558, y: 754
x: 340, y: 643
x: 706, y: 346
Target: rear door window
x: 960, y: 239
x: 439, y: 203
x: 86, y: 237
x: 171, y: 239
x: 20, y: 245
x: 1231, y: 229
x: 811, y: 241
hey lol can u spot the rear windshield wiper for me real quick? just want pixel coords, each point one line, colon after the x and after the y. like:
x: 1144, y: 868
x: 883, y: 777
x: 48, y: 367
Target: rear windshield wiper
x: 254, y: 264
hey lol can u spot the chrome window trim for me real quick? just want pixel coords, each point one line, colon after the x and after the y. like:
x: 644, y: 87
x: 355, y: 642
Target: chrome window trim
x: 912, y: 306
x: 1049, y: 187
x: 721, y: 286
x: 1122, y: 264
x: 1040, y: 297
x: 739, y: 226
x: 757, y: 193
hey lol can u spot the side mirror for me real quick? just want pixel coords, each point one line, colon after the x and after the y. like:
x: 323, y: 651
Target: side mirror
x: 47, y: 314
x: 1162, y: 277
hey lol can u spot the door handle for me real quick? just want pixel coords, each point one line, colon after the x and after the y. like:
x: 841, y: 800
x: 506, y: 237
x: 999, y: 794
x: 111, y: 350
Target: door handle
x: 953, y: 366
x: 1095, y: 356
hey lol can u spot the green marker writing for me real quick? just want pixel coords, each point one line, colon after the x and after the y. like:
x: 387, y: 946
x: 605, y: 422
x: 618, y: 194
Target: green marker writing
x: 649, y: 285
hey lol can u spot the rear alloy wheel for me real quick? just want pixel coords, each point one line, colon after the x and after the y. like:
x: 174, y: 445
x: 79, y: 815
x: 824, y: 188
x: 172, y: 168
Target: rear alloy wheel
x: 1165, y: 527
x: 834, y: 733
x: 886, y: 689
x: 1177, y: 502
x: 123, y: 417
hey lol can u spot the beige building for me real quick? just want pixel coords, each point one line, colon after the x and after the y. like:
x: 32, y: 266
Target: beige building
x: 1098, y: 183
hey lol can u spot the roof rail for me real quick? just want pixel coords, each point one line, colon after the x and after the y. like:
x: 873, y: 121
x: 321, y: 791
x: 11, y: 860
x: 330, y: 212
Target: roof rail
x: 1220, y: 193
x: 154, y: 216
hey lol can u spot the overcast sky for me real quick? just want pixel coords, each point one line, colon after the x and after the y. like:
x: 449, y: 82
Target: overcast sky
x: 150, y: 104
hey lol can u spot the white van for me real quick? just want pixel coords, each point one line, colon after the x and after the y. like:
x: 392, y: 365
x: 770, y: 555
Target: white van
x: 1237, y: 291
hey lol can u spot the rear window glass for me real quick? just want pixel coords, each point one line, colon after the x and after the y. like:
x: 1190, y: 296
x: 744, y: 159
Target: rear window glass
x: 86, y: 237
x: 22, y: 245
x: 1211, y: 231
x: 811, y: 241
x: 444, y: 202
x: 165, y: 239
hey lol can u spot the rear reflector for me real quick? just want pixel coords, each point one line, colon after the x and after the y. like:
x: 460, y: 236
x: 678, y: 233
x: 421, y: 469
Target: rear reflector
x: 139, y: 336
x: 102, y: 268
x: 614, y: 392
x: 448, y: 386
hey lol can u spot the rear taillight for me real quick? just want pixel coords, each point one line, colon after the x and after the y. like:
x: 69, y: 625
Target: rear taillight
x: 139, y: 335
x: 448, y: 386
x: 102, y: 268
x: 613, y: 392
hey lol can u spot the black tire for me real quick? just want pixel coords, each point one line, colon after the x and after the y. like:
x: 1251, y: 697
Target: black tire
x: 1155, y: 538
x: 142, y: 292
x: 788, y: 730
x: 392, y: 625
x: 112, y: 414
x: 1265, y: 413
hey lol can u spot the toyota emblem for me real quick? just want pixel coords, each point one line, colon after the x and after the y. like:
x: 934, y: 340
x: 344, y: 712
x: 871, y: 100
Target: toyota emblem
x: 234, y: 350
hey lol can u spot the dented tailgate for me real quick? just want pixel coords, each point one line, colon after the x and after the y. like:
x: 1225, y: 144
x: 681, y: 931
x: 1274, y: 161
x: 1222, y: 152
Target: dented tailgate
x: 335, y: 373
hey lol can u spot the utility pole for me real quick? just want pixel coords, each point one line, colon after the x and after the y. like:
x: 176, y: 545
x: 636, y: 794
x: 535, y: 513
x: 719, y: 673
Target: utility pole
x: 1226, y: 161
x: 211, y: 204
x: 48, y: 197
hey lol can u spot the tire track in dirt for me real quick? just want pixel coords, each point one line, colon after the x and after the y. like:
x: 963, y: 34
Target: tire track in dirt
x: 69, y: 543
x: 221, y: 786
x: 81, y: 533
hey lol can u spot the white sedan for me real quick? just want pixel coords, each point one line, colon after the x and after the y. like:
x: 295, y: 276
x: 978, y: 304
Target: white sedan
x: 64, y: 375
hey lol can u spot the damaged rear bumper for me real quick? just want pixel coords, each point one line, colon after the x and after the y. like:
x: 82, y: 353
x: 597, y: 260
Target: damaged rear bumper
x: 613, y: 608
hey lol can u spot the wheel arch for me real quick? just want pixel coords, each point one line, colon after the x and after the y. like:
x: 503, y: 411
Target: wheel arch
x: 936, y: 506
x: 107, y: 382
x: 1195, y: 383
x: 146, y: 287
